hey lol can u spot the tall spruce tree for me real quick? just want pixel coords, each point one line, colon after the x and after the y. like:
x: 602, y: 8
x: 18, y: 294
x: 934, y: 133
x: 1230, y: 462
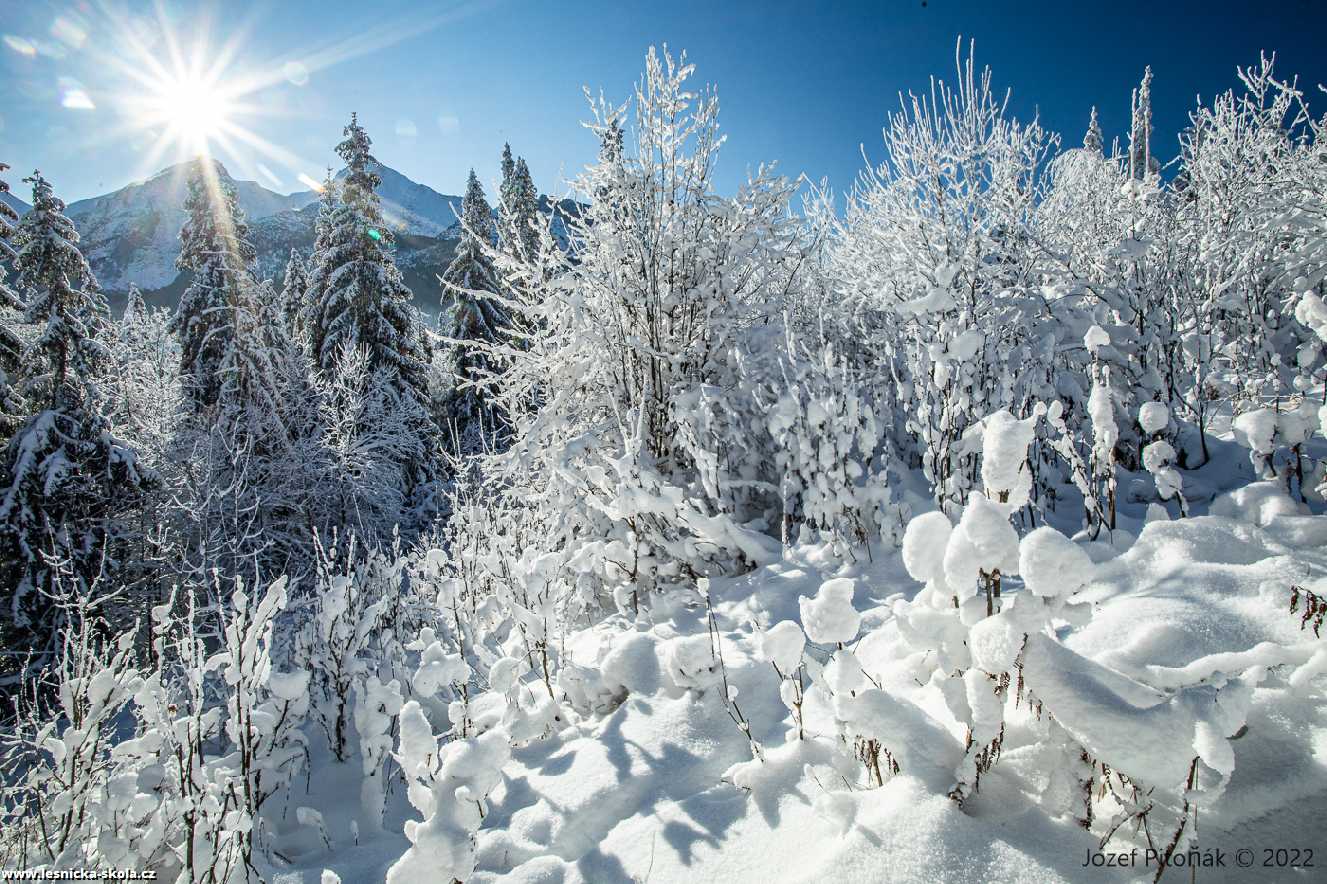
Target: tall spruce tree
x: 135, y: 308
x: 518, y: 208
x: 359, y: 299
x: 293, y: 290
x: 65, y: 477
x: 1141, y: 162
x: 1092, y: 139
x: 11, y: 346
x: 215, y: 247
x: 473, y: 321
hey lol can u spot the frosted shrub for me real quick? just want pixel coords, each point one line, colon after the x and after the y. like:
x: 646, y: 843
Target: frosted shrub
x: 783, y: 646
x: 633, y: 353
x: 831, y: 453
x: 928, y: 257
x: 448, y: 785
x: 1159, y: 455
x: 343, y: 639
x: 62, y: 789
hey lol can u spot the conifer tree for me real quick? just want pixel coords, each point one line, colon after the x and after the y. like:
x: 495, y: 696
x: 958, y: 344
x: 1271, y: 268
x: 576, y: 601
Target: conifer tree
x: 525, y: 212
x: 1141, y: 162
x: 11, y: 347
x: 473, y: 321
x: 518, y: 209
x: 508, y: 169
x: 64, y: 476
x: 215, y: 247
x: 135, y: 308
x: 359, y: 299
x: 293, y: 290
x: 1092, y: 140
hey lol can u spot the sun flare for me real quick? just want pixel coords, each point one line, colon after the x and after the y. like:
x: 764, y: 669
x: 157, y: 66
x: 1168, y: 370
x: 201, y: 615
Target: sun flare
x: 189, y: 111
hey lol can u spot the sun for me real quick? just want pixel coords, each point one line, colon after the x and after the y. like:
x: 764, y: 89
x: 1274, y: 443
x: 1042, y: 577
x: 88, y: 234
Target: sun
x: 190, y: 111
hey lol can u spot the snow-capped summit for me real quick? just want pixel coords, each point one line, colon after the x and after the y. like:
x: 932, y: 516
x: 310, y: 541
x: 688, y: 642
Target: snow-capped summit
x: 413, y: 207
x: 132, y: 235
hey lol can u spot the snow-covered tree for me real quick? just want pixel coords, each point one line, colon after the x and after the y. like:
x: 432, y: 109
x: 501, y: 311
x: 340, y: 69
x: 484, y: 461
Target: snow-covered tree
x: 65, y: 478
x: 1142, y: 163
x: 939, y: 261
x: 11, y: 346
x: 359, y: 299
x: 294, y: 288
x: 215, y: 249
x: 473, y: 322
x: 518, y: 209
x: 1092, y: 140
x: 628, y: 401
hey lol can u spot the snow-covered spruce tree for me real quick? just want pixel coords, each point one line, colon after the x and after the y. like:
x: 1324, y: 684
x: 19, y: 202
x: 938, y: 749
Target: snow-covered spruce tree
x: 294, y: 288
x: 65, y: 480
x: 242, y: 502
x: 1092, y: 139
x: 518, y: 207
x: 640, y: 333
x: 358, y: 297
x: 524, y: 211
x: 939, y: 256
x: 1142, y: 164
x: 215, y: 248
x: 473, y: 322
x: 12, y: 407
x: 328, y: 199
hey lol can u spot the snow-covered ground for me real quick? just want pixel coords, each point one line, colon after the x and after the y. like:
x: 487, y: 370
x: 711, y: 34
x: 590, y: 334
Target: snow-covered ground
x: 663, y: 787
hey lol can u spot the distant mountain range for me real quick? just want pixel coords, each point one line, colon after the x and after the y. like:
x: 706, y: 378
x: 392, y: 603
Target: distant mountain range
x: 132, y: 235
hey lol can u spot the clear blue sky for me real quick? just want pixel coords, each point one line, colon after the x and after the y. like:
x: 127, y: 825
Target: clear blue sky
x: 440, y: 85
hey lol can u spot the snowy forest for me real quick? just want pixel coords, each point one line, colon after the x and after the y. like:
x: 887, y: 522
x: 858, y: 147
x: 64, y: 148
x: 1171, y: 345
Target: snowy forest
x: 965, y: 526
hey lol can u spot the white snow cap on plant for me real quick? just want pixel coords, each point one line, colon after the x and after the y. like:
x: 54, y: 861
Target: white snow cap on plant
x: 830, y: 616
x: 983, y: 541
x: 1051, y: 564
x: 1153, y: 417
x: 1294, y: 426
x: 782, y: 645
x: 924, y: 544
x: 1157, y: 456
x: 692, y: 663
x: 1095, y: 338
x: 995, y: 643
x: 1004, y: 451
x: 1255, y: 430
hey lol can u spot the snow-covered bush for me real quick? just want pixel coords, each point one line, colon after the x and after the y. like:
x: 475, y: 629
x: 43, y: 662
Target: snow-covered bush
x: 448, y: 785
x: 833, y: 456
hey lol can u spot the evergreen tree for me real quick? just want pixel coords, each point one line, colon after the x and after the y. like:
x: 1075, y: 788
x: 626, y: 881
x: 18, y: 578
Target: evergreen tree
x: 508, y: 169
x: 135, y: 308
x: 473, y: 321
x: 359, y: 298
x: 11, y: 346
x: 64, y: 476
x: 215, y: 247
x: 1092, y: 140
x: 1141, y: 162
x: 518, y: 209
x: 328, y: 199
x: 525, y: 212
x: 293, y: 290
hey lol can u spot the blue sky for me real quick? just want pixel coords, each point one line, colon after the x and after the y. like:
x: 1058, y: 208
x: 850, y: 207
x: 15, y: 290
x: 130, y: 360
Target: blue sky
x: 441, y: 85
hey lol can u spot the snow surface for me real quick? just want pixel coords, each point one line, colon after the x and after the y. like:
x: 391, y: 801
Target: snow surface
x: 663, y: 787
